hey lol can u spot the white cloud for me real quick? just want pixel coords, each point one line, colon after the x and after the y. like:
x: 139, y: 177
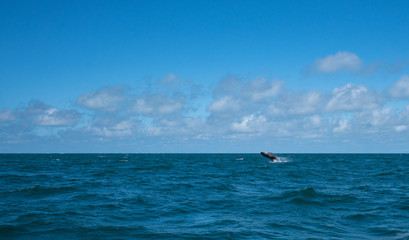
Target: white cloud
x: 315, y: 121
x: 341, y: 61
x: 404, y: 114
x: 181, y: 128
x: 229, y: 86
x: 124, y: 128
x: 342, y: 125
x: 254, y: 90
x: 225, y: 104
x: 401, y: 88
x: 106, y: 99
x: 154, y: 131
x: 299, y: 103
x: 6, y: 116
x: 235, y: 98
x: 272, y: 109
x: 250, y: 124
x: 170, y: 81
x: 157, y: 104
x: 41, y: 114
x: 352, y: 98
x: 35, y: 121
x: 400, y: 128
x: 55, y: 117
x: 313, y: 127
x: 260, y: 89
x: 377, y: 117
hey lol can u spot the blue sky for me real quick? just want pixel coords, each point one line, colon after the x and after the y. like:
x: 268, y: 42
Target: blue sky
x: 204, y: 76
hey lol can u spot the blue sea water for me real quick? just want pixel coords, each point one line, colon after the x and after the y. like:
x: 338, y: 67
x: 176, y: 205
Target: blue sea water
x: 204, y: 196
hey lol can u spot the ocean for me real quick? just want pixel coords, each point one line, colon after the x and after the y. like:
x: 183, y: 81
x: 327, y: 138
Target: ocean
x: 204, y: 196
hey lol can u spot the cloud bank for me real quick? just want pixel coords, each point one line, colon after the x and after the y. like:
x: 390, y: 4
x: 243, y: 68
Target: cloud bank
x: 242, y: 113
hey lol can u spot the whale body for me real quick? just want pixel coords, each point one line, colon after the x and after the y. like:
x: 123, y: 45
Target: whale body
x: 269, y: 155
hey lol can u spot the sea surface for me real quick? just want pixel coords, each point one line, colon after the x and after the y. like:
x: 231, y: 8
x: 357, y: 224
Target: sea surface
x: 204, y: 196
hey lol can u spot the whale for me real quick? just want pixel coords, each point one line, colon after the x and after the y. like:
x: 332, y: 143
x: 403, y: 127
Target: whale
x: 270, y: 156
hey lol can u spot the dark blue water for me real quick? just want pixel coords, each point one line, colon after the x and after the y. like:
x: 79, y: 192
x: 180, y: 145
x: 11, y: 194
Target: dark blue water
x: 204, y: 196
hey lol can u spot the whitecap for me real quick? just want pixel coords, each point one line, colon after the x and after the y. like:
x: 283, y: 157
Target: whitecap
x: 280, y: 160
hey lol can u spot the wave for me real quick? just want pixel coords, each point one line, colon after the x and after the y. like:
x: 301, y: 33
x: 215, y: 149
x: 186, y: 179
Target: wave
x: 361, y: 217
x: 226, y: 187
x: 385, y: 231
x: 84, y: 232
x: 304, y: 196
x: 137, y: 201
x: 311, y: 196
x: 38, y: 191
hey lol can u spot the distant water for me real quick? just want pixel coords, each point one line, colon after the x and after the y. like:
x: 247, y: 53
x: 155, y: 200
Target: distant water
x: 204, y: 196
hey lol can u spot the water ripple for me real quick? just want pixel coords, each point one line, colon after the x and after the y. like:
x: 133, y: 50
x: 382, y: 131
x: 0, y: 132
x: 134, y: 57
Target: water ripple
x: 204, y: 196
